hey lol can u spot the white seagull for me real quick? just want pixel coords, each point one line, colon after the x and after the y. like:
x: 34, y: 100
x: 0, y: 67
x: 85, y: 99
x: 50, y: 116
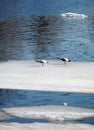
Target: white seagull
x: 42, y: 62
x: 65, y: 60
x: 65, y: 104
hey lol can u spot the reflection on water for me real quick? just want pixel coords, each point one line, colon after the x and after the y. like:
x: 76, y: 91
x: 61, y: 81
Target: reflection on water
x: 30, y: 30
x: 47, y: 37
x: 25, y: 8
x: 27, y: 39
x: 22, y: 98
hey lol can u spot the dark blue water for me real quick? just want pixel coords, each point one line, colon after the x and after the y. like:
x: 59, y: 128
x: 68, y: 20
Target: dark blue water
x: 31, y: 29
x: 26, y: 98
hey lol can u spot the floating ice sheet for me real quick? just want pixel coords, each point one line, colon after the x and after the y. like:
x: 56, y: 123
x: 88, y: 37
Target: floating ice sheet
x: 50, y: 112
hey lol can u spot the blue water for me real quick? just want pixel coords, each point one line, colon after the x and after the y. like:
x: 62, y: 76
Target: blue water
x: 26, y: 98
x: 31, y: 29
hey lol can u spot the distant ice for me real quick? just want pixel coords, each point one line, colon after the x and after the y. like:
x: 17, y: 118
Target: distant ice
x: 74, y: 15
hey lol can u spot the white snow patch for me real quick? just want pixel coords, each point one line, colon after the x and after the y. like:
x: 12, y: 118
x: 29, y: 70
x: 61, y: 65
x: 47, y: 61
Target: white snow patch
x: 45, y: 126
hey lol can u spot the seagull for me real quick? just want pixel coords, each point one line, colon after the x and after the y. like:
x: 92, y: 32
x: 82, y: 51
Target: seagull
x: 65, y: 104
x: 42, y: 62
x: 65, y: 60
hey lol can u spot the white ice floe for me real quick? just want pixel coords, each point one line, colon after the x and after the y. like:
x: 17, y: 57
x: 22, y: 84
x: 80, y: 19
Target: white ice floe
x: 53, y: 112
x: 45, y: 126
x: 74, y: 15
x: 29, y: 75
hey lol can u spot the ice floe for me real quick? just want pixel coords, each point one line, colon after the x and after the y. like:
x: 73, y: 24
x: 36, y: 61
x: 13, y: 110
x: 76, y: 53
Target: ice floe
x: 29, y: 75
x: 45, y: 126
x: 74, y: 15
x: 50, y: 112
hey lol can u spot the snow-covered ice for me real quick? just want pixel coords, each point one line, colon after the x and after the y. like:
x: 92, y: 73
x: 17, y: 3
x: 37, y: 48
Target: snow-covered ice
x: 49, y: 111
x: 55, y: 76
x: 45, y: 126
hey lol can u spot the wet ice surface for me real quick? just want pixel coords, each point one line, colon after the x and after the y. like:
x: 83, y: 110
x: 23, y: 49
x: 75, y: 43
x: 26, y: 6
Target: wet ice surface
x: 48, y: 114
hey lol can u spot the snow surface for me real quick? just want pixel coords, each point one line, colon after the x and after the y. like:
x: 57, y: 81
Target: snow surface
x: 45, y: 126
x: 55, y: 76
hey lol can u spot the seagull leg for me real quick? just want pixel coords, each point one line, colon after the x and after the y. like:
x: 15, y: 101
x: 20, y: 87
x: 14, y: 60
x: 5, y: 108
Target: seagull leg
x: 42, y: 64
x: 65, y: 63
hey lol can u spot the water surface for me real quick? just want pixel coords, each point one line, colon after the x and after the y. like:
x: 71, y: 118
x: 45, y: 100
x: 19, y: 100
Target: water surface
x: 35, y: 29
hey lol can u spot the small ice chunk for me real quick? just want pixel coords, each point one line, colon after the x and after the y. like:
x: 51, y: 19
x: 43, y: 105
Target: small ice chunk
x: 74, y: 15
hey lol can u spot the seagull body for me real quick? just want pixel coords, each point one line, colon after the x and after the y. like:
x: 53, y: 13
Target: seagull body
x: 42, y: 62
x: 65, y: 104
x: 65, y: 60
